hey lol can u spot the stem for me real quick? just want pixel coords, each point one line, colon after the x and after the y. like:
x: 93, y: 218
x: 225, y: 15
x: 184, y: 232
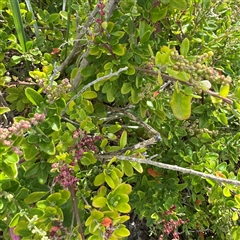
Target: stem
x: 112, y: 74
x: 75, y: 209
x: 179, y: 169
x: 167, y: 77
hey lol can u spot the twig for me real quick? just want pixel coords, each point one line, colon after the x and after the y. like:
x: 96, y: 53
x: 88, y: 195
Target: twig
x: 75, y: 209
x: 178, y: 169
x: 111, y: 5
x: 111, y: 74
x: 167, y: 77
x: 76, y: 49
x: 150, y: 129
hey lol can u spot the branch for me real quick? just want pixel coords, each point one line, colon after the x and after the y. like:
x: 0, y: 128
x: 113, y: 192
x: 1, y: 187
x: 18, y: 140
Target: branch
x: 111, y: 5
x: 179, y: 169
x: 92, y: 83
x: 75, y: 210
x: 76, y: 49
x: 167, y: 77
x: 150, y: 129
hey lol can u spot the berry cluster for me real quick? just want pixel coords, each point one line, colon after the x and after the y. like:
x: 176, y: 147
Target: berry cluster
x: 170, y: 227
x: 101, y: 7
x: 58, y: 232
x: 55, y: 92
x: 198, y: 69
x: 17, y: 129
x: 65, y: 177
x: 146, y: 92
x: 84, y: 143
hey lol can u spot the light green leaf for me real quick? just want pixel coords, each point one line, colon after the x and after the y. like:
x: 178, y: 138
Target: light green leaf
x: 4, y: 110
x: 126, y: 88
x: 99, y: 179
x: 33, y: 96
x: 89, y: 94
x: 99, y: 202
x: 181, y: 105
x: 224, y: 90
x: 14, y: 220
x: 158, y: 13
x: 88, y: 71
x: 123, y: 188
x: 178, y: 4
x: 10, y: 169
x: 34, y: 197
x: 121, y: 232
x: 123, y: 139
x: 184, y: 47
x: 119, y: 49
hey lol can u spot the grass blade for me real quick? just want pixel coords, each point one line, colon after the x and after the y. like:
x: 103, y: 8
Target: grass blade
x: 17, y: 18
x: 35, y: 26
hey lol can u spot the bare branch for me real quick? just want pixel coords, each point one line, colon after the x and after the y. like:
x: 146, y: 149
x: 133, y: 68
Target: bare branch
x: 111, y: 74
x: 111, y: 5
x: 178, y: 169
x: 167, y: 77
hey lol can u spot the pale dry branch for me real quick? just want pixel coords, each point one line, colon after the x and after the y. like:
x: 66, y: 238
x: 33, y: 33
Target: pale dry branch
x: 111, y: 74
x: 110, y: 6
x: 166, y: 77
x: 179, y: 169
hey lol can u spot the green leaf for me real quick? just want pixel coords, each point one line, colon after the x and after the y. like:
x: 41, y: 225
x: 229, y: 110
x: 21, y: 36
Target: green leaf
x: 4, y: 110
x: 184, y: 47
x: 145, y: 37
x: 158, y: 13
x: 89, y: 94
x: 237, y: 199
x: 178, y: 4
x: 109, y: 180
x: 42, y: 174
x: 126, y: 88
x: 34, y: 197
x: 224, y: 90
x: 47, y: 147
x: 99, y: 202
x: 123, y: 207
x: 54, y: 122
x: 122, y: 232
x: 127, y: 168
x: 32, y: 170
x: 54, y: 17
x: 181, y: 105
x: 29, y: 151
x: 33, y: 96
x: 137, y: 166
x: 10, y: 169
x: 119, y: 49
x: 123, y: 139
x: 235, y: 216
x: 226, y: 192
x: 99, y: 179
x: 14, y: 220
x: 11, y: 157
x: 88, y: 71
x: 123, y: 188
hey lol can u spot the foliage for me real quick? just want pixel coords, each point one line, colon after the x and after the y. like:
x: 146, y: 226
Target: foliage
x: 87, y: 83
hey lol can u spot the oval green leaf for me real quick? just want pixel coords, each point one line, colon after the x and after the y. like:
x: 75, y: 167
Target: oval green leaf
x: 181, y: 105
x: 34, y: 197
x: 33, y: 96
